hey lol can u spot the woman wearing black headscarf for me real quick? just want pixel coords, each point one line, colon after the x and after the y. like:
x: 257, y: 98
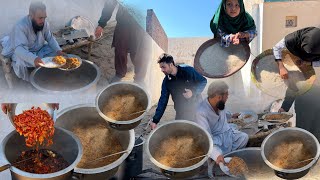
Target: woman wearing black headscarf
x: 304, y: 43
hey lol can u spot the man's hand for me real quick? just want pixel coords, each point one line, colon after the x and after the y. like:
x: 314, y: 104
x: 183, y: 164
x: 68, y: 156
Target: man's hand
x: 5, y: 108
x: 187, y: 94
x: 235, y: 115
x: 220, y: 158
x: 281, y: 110
x: 99, y: 31
x: 153, y: 125
x: 38, y: 62
x: 61, y: 53
x: 55, y: 106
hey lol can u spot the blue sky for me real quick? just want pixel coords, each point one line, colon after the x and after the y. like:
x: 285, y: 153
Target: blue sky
x: 180, y: 18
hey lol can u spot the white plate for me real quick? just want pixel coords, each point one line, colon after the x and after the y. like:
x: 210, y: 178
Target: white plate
x: 74, y: 56
x: 225, y: 169
x: 290, y: 115
x: 253, y: 118
x: 48, y: 63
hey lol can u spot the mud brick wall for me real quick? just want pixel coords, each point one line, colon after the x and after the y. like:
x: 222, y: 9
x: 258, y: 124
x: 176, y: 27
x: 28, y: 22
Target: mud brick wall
x: 156, y: 31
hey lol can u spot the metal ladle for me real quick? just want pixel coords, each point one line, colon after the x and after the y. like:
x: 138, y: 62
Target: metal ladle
x: 7, y: 166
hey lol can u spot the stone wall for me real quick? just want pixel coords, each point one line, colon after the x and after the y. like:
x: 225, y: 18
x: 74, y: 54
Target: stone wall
x: 156, y: 31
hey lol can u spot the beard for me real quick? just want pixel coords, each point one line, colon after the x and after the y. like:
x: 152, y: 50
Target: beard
x: 221, y: 105
x: 36, y: 27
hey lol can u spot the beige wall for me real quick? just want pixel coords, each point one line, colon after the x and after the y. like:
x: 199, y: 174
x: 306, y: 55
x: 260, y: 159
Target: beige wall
x: 154, y: 76
x: 250, y: 3
x: 274, y: 15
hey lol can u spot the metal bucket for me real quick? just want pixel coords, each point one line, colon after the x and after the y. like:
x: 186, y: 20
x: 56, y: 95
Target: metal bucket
x: 173, y: 128
x: 133, y: 165
x: 118, y: 89
x: 85, y: 114
x: 58, y: 81
x: 284, y: 135
x: 64, y: 142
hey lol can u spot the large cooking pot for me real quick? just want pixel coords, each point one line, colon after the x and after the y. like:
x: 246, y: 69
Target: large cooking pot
x: 285, y: 135
x: 118, y: 89
x: 64, y: 143
x: 174, y: 128
x: 84, y: 78
x: 85, y: 115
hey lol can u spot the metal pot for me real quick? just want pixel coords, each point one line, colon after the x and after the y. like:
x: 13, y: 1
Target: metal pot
x: 287, y: 134
x: 173, y: 128
x: 69, y: 82
x: 64, y: 143
x: 118, y: 89
x: 87, y: 114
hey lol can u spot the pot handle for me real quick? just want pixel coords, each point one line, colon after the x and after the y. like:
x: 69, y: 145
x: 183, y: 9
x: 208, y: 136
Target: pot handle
x: 168, y: 173
x: 5, y: 167
x: 281, y: 174
x: 113, y: 125
x: 76, y: 176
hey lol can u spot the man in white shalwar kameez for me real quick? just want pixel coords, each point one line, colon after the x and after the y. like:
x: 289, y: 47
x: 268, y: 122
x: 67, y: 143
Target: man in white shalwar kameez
x: 212, y: 116
x: 29, y: 41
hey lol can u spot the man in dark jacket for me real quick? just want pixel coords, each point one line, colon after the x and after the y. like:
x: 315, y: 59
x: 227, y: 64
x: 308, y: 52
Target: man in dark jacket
x: 127, y: 38
x: 184, y: 84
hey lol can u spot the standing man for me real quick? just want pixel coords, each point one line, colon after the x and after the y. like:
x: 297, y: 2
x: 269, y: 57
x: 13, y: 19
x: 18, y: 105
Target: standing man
x: 184, y: 84
x: 127, y: 38
x: 29, y: 41
x: 212, y: 116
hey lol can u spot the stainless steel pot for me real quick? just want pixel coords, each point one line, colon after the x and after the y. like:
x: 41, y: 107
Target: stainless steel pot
x: 87, y: 114
x: 173, y: 128
x: 285, y: 135
x: 118, y: 89
x: 64, y: 142
x: 68, y: 82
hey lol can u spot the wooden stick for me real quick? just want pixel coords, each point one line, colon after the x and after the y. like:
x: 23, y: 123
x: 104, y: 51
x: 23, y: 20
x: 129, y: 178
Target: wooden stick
x: 303, y: 161
x: 196, y: 157
x: 137, y: 112
x: 121, y: 152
